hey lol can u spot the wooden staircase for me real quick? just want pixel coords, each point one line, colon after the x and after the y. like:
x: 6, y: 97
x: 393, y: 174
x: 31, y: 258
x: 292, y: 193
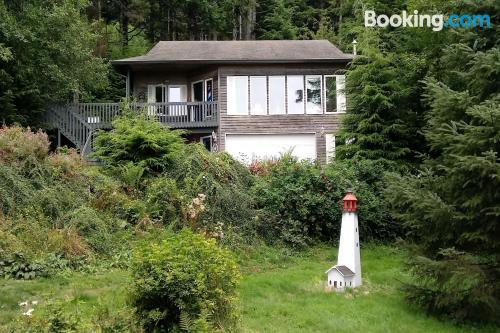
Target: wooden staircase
x: 72, y: 125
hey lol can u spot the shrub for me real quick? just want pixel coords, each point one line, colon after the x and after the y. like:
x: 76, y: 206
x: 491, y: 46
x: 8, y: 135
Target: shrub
x: 19, y: 144
x: 299, y: 201
x: 224, y: 182
x: 185, y: 281
x: 66, y: 162
x: 164, y: 200
x: 138, y: 139
x: 88, y: 224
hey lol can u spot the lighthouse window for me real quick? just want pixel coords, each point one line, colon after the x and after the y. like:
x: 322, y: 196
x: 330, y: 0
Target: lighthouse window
x: 356, y: 244
x: 356, y: 229
x: 350, y: 283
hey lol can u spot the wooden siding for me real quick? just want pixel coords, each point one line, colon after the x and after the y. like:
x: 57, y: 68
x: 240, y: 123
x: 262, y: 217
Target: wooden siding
x: 319, y: 124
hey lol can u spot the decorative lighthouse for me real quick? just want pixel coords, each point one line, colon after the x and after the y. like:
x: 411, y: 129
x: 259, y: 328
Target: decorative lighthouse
x: 347, y: 272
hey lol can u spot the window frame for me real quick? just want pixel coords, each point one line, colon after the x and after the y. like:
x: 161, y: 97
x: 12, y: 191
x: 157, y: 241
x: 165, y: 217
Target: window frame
x: 306, y: 77
x: 325, y: 92
x: 266, y: 89
x: 285, y: 106
x: 205, y: 90
x: 247, y: 113
x: 288, y: 95
x: 202, y: 88
x: 344, y: 110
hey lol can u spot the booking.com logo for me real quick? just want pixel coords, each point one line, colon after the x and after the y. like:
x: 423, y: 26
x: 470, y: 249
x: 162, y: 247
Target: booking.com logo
x: 436, y: 21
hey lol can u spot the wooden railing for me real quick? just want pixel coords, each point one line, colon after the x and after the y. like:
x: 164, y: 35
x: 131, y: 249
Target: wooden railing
x: 78, y: 121
x: 175, y: 115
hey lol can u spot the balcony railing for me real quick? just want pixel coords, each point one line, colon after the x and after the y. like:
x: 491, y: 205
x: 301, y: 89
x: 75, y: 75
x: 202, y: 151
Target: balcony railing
x: 78, y: 121
x: 175, y: 115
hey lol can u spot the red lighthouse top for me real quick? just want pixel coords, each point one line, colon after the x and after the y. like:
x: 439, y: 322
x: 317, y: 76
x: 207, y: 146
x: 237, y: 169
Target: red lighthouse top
x: 350, y: 201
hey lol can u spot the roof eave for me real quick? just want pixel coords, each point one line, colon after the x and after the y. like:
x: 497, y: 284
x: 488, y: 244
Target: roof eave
x: 229, y: 62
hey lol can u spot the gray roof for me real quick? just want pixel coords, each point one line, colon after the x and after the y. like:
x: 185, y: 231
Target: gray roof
x: 262, y: 51
x: 344, y: 270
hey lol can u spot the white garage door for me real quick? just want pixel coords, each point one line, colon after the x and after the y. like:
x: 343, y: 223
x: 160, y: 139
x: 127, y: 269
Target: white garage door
x: 248, y: 147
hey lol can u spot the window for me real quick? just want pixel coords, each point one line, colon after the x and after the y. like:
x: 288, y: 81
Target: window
x: 341, y: 283
x: 197, y: 91
x: 237, y: 95
x: 157, y: 93
x: 177, y: 94
x: 209, y: 97
x: 350, y: 283
x: 313, y: 85
x: 330, y: 147
x: 341, y: 100
x: 277, y: 95
x: 258, y: 95
x: 356, y: 229
x: 330, y: 282
x: 330, y: 93
x: 295, y: 92
x: 207, y: 142
x: 356, y: 244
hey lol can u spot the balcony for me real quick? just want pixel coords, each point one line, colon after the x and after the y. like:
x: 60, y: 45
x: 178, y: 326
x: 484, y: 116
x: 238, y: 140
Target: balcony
x: 78, y: 121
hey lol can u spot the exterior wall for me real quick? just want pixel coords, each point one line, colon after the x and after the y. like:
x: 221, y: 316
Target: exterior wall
x: 142, y: 78
x: 276, y: 124
x: 334, y: 275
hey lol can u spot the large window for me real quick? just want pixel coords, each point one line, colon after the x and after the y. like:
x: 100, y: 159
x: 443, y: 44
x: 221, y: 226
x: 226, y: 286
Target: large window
x: 237, y: 95
x: 335, y: 100
x: 330, y: 93
x: 258, y: 95
x: 313, y: 84
x: 277, y: 95
x: 295, y: 92
x: 341, y: 100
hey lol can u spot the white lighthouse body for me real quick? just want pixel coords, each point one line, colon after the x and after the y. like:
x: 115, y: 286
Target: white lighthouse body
x: 347, y: 272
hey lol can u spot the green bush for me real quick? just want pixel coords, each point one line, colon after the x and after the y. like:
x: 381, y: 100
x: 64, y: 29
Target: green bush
x: 224, y: 182
x: 164, y: 200
x: 18, y: 145
x: 88, y: 224
x: 54, y: 209
x: 137, y: 138
x: 184, y: 281
x: 300, y: 201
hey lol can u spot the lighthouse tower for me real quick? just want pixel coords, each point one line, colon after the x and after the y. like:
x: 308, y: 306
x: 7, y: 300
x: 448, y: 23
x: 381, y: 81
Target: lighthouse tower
x: 347, y: 272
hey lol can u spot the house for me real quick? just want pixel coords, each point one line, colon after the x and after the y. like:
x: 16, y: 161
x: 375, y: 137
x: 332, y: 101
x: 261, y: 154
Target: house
x: 253, y: 99
x: 347, y: 272
x: 340, y: 277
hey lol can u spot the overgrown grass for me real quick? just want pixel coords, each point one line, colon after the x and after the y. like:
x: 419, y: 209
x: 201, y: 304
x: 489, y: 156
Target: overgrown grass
x: 280, y: 292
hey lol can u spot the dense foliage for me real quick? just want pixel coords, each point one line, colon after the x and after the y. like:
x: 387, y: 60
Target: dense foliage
x: 452, y: 207
x: 184, y: 281
x: 300, y: 201
x: 47, y: 217
x: 140, y: 141
x: 46, y: 53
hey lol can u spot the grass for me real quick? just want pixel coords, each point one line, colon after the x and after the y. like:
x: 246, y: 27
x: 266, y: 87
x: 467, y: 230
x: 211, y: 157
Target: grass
x: 279, y: 292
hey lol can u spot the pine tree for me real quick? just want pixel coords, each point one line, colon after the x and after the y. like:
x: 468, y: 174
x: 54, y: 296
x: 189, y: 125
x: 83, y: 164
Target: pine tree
x: 451, y: 209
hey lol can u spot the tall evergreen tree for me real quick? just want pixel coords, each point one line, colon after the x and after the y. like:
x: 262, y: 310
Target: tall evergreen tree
x: 451, y: 208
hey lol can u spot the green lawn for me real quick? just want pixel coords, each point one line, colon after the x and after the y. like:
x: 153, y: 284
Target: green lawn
x: 291, y: 297
x: 279, y: 293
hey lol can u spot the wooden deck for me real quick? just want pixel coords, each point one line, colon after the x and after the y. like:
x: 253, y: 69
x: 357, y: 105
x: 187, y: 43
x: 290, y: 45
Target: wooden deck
x: 78, y: 121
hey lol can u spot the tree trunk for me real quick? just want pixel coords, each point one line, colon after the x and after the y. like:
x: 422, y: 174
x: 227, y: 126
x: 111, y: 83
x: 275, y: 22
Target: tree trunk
x: 124, y: 21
